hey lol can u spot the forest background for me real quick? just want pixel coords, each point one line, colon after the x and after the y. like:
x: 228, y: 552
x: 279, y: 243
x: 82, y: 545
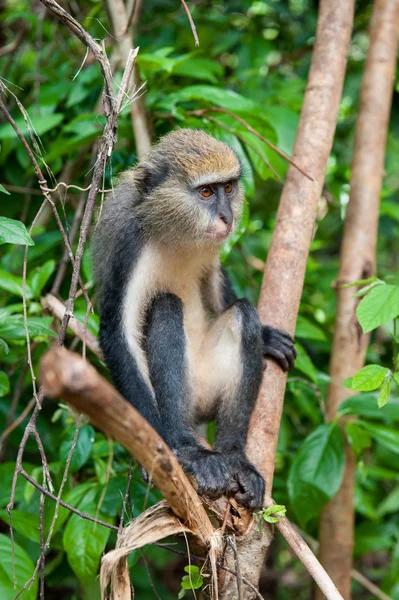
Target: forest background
x: 252, y: 62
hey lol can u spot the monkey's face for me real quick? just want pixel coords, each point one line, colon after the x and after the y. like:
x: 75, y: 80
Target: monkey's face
x: 191, y: 191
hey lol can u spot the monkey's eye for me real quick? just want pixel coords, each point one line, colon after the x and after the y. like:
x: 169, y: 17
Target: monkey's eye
x: 228, y: 187
x: 206, y: 191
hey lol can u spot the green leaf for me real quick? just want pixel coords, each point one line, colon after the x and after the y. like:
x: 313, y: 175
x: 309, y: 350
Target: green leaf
x: 4, y: 346
x: 385, y: 391
x: 41, y: 277
x: 41, y: 124
x: 14, y: 232
x: 369, y: 378
x: 365, y: 405
x: 13, y: 328
x: 217, y: 96
x: 279, y: 510
x: 390, y: 504
x: 309, y: 331
x: 378, y: 307
x: 358, y: 438
x: 23, y: 566
x: 199, y: 68
x: 84, y: 543
x: 387, y: 436
x: 4, y: 384
x: 192, y: 581
x: 6, y: 478
x: 316, y: 472
x: 4, y: 191
x: 13, y: 284
x: 82, y: 449
x: 25, y: 523
x: 304, y: 364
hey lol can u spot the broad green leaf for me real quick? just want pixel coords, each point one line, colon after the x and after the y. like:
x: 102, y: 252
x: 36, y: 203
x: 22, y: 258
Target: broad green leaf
x: 369, y: 378
x: 385, y: 391
x: 6, y: 478
x: 13, y: 284
x: 13, y: 328
x: 4, y: 384
x: 365, y: 405
x: 217, y: 96
x: 84, y: 543
x: 14, y: 232
x: 358, y: 437
x: 192, y: 581
x: 82, y: 449
x: 3, y: 190
x: 24, y: 568
x: 25, y: 523
x: 4, y: 347
x: 378, y: 307
x: 41, y: 276
x: 309, y: 331
x: 390, y: 504
x: 387, y: 436
x: 41, y: 124
x: 304, y: 364
x: 199, y: 68
x: 316, y: 472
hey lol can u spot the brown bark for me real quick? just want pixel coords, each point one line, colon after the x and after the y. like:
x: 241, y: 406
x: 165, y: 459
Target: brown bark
x: 358, y: 262
x: 286, y: 263
x: 119, y: 18
x: 67, y: 375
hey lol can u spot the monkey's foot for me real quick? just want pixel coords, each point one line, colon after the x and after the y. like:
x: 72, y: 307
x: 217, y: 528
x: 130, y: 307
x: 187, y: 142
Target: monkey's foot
x: 208, y: 469
x: 246, y: 484
x: 279, y: 344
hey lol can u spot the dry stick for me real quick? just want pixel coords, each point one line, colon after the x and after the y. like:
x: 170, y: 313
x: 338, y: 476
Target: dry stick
x: 66, y: 375
x: 119, y: 18
x: 192, y: 24
x: 58, y: 308
x: 287, y: 257
x: 358, y: 255
x: 306, y: 556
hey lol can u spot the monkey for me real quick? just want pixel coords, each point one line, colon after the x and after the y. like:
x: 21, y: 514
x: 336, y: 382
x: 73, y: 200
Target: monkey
x: 180, y: 346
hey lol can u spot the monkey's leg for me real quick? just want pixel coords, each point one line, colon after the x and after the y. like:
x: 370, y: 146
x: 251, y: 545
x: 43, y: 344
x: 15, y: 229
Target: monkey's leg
x: 167, y: 360
x: 238, y: 357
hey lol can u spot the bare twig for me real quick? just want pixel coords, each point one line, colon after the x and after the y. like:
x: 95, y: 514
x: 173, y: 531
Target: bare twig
x: 192, y: 24
x: 58, y: 308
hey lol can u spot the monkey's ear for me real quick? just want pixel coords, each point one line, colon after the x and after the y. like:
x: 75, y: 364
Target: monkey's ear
x: 143, y: 176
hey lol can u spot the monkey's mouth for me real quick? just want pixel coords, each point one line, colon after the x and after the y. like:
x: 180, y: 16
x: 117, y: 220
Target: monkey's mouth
x: 218, y: 236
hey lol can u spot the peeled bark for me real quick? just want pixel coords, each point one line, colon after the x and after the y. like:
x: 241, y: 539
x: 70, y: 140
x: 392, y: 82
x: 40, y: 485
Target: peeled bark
x: 286, y: 262
x: 358, y: 262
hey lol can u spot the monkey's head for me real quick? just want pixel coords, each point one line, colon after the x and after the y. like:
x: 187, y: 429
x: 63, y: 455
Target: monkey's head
x: 190, y: 190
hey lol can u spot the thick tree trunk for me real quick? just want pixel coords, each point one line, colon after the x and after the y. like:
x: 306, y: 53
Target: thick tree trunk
x: 286, y: 262
x: 358, y: 262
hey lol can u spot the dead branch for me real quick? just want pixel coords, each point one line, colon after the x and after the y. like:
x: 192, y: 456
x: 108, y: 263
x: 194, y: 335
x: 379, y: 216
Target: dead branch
x: 358, y: 256
x: 68, y: 376
x: 58, y: 308
x: 120, y: 20
x: 192, y: 24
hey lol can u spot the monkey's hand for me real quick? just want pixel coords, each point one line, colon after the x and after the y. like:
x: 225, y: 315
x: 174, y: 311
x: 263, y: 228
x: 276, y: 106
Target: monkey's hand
x: 246, y: 484
x: 279, y: 344
x: 208, y: 470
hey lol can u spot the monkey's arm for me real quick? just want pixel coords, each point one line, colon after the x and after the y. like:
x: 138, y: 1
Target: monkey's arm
x: 277, y: 343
